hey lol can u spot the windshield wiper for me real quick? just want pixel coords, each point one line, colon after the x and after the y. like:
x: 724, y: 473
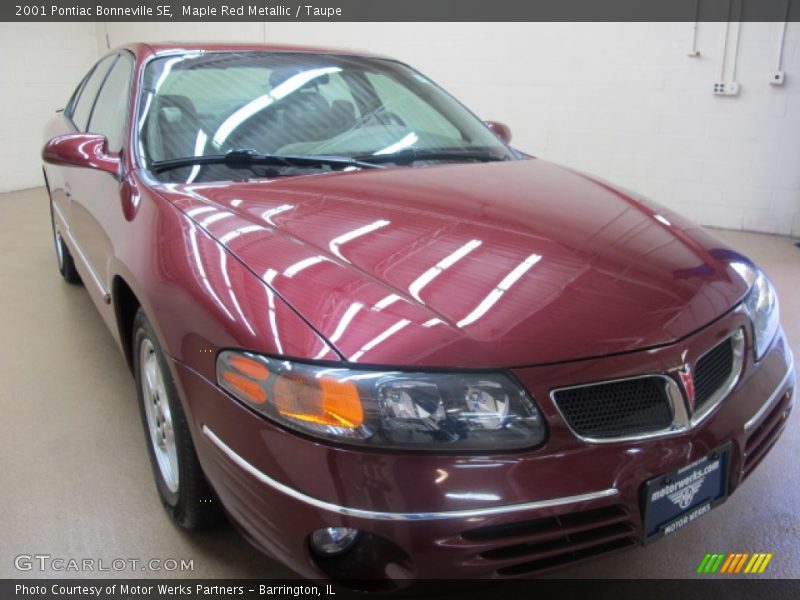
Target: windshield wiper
x: 408, y: 156
x: 243, y: 159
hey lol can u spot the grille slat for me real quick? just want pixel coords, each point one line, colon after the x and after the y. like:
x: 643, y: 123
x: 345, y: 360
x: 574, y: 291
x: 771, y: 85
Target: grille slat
x: 765, y: 436
x: 563, y: 545
x: 712, y: 371
x: 552, y: 562
x: 539, y: 544
x: 524, y: 535
x: 547, y: 525
x: 616, y: 408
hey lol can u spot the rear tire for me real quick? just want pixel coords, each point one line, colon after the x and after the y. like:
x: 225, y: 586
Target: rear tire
x: 180, y: 481
x: 66, y: 264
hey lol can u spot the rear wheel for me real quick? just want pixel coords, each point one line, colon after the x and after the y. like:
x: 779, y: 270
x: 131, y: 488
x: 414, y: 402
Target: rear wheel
x: 66, y: 264
x: 180, y: 481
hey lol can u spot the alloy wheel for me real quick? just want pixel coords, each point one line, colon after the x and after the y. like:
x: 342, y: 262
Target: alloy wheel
x: 158, y: 415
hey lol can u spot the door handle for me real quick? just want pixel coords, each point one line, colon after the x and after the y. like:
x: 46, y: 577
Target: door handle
x: 67, y: 190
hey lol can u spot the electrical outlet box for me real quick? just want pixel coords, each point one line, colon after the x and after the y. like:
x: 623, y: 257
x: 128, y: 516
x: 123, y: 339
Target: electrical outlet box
x: 777, y: 78
x: 726, y: 88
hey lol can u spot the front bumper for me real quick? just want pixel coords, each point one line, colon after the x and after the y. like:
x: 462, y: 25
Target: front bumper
x: 473, y: 516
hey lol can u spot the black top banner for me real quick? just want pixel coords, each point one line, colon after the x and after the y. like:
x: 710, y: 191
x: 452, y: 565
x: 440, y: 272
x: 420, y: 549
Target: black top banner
x: 401, y: 10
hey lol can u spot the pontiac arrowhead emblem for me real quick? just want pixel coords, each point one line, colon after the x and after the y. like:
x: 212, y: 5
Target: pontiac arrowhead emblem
x: 687, y: 379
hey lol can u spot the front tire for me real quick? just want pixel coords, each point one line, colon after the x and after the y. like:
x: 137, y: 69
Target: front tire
x: 180, y: 481
x: 66, y: 264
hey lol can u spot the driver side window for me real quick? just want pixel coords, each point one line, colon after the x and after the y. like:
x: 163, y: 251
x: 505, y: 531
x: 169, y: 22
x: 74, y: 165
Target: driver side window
x: 111, y: 109
x: 83, y: 106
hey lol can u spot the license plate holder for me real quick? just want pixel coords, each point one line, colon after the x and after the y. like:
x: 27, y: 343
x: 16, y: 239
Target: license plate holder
x: 675, y: 499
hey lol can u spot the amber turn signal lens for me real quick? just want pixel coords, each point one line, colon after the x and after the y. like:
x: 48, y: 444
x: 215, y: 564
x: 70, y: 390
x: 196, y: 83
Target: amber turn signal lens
x: 249, y: 390
x: 249, y: 367
x: 333, y: 403
x: 385, y: 409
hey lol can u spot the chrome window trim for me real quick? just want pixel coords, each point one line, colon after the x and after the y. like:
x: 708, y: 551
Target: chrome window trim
x: 682, y: 421
x: 362, y: 513
x: 756, y: 418
x: 138, y: 160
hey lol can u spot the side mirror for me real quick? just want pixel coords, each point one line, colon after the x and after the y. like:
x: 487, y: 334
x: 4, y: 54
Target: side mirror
x: 88, y: 150
x: 501, y: 130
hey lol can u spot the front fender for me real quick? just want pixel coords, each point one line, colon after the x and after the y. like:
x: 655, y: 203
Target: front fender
x: 199, y: 298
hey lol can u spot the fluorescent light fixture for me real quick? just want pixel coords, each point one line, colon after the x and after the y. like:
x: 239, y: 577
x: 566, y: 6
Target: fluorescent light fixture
x: 497, y: 293
x: 408, y: 140
x: 258, y: 104
x: 336, y: 242
x: 348, y: 316
x: 380, y: 338
x: 268, y: 214
x: 448, y: 261
x: 384, y: 302
x: 662, y: 219
x: 303, y: 264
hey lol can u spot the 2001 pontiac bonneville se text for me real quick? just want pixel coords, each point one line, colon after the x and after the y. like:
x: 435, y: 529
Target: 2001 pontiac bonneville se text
x: 386, y: 343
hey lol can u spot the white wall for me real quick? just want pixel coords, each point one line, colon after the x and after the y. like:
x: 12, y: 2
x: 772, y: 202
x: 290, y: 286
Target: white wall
x: 621, y: 100
x: 40, y: 65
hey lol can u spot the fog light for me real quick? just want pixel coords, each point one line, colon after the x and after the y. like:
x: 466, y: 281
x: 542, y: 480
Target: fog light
x: 332, y: 541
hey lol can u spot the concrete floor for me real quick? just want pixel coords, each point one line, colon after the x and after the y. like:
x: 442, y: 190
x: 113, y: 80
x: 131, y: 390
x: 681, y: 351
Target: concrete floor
x: 75, y: 481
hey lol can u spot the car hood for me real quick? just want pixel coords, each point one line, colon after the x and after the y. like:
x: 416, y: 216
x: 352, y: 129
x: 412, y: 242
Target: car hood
x: 481, y: 265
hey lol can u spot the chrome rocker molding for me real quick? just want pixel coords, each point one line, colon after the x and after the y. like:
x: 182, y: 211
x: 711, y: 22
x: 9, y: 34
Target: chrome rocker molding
x: 80, y: 254
x: 756, y: 418
x: 393, y: 516
x: 682, y: 421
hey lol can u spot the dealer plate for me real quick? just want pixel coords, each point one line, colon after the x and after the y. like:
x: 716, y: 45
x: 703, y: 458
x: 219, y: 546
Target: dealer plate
x: 674, y: 500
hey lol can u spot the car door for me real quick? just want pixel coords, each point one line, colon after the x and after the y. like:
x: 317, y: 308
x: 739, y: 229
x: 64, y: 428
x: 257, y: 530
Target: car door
x: 74, y: 119
x: 95, y: 205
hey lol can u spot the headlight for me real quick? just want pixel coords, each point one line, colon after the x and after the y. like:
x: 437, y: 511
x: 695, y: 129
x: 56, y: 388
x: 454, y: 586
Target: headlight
x: 761, y: 304
x: 387, y: 409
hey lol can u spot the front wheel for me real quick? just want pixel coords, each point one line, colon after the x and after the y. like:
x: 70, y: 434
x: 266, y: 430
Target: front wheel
x: 66, y: 264
x: 180, y: 481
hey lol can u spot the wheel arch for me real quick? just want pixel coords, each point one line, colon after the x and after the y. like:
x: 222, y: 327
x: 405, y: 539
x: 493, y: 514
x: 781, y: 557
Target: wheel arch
x: 126, y: 304
x: 46, y: 180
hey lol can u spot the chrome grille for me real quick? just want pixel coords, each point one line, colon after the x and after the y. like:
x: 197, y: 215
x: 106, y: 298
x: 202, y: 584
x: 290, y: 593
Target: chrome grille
x: 615, y: 409
x: 716, y: 373
x: 712, y: 371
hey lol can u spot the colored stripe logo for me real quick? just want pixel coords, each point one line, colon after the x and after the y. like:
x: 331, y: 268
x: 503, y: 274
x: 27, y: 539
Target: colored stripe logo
x: 737, y: 562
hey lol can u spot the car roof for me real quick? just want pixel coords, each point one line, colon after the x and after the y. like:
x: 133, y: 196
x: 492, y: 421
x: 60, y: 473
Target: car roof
x: 159, y: 48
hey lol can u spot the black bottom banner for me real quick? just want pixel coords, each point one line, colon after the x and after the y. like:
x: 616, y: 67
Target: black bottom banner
x: 250, y: 589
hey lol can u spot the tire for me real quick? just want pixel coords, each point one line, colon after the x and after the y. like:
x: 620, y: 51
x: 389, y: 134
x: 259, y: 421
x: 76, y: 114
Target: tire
x: 66, y: 264
x: 180, y: 481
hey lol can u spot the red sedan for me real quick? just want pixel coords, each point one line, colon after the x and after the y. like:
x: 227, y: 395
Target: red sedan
x: 386, y: 343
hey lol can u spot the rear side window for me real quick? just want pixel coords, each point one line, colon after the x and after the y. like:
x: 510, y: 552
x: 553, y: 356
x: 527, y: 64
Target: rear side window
x: 111, y: 108
x: 83, y: 107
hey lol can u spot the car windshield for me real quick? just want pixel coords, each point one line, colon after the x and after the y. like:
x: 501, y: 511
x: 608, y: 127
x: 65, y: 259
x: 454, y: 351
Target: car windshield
x: 275, y: 112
